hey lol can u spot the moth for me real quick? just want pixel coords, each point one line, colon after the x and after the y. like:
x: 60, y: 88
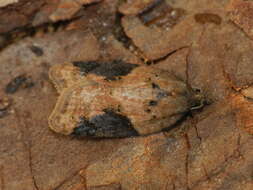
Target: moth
x: 117, y: 99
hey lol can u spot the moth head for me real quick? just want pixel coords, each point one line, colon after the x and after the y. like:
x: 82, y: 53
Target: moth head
x: 198, y: 100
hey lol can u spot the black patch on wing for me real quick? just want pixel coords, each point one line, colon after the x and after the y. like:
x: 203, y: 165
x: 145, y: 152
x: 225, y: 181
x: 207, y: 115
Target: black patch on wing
x: 109, y: 124
x: 86, y: 67
x: 110, y: 70
x: 84, y: 128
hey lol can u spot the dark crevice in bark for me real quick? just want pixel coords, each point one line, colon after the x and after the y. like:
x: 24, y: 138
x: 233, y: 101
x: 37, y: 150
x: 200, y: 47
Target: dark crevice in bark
x: 19, y: 34
x: 156, y: 61
x: 119, y: 33
x: 121, y: 36
x: 127, y: 42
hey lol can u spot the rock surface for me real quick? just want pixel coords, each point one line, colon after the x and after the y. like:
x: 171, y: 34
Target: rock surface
x: 210, y: 149
x: 241, y: 14
x: 66, y: 9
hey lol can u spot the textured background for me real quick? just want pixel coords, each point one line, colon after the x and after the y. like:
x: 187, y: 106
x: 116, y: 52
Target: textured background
x: 208, y: 44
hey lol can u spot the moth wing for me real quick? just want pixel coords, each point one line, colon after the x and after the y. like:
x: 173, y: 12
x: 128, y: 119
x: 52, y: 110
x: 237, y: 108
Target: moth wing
x: 70, y: 106
x: 64, y: 76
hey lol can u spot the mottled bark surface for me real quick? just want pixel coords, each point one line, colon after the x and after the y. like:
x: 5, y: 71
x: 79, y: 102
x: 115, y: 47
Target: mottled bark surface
x: 209, y: 47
